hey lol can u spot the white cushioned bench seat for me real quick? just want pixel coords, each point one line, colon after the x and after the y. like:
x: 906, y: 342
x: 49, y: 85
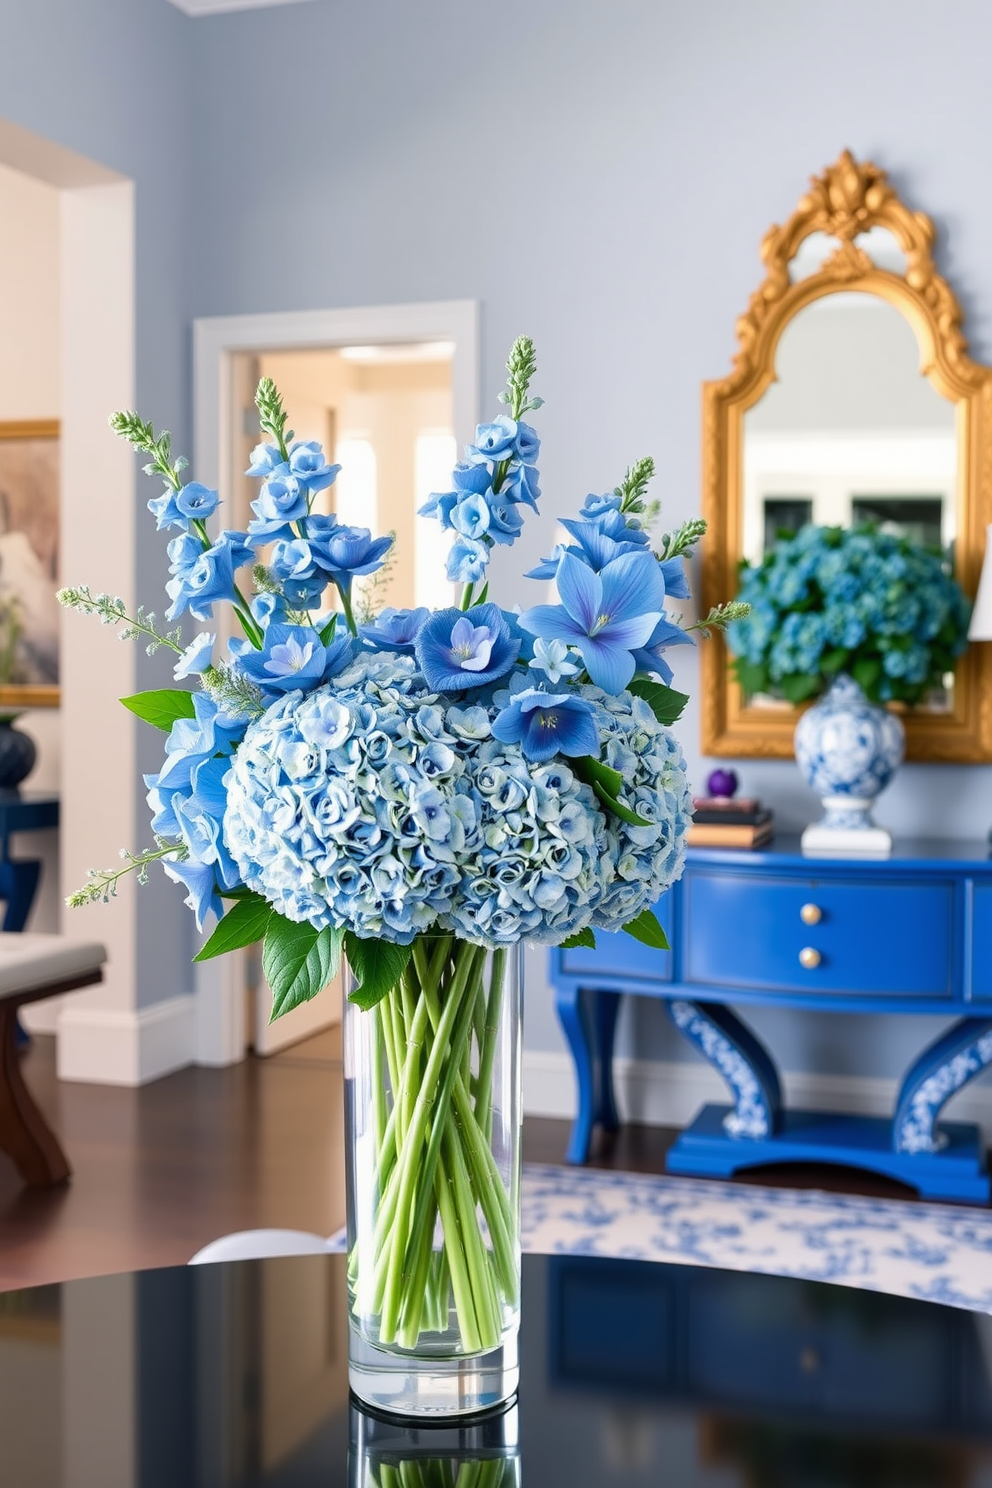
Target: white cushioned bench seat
x: 33, y: 967
x: 29, y: 961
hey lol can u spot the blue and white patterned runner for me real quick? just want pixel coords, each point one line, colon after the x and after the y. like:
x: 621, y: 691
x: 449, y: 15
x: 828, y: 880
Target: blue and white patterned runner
x: 937, y: 1252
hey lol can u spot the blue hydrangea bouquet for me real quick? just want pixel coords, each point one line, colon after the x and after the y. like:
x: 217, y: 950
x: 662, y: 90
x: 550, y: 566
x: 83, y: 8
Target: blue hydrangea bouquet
x: 832, y: 601
x: 418, y: 793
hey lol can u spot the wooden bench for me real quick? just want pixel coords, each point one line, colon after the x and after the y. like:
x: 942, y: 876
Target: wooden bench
x: 33, y: 967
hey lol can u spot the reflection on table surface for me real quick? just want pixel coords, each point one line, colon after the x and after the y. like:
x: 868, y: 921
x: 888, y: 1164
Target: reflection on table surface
x: 633, y: 1374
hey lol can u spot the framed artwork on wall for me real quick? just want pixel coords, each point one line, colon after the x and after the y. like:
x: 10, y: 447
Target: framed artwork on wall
x: 29, y: 564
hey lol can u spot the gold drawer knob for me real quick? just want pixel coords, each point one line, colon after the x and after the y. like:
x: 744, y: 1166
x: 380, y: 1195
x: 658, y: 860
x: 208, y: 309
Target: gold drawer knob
x: 809, y: 958
x: 811, y: 914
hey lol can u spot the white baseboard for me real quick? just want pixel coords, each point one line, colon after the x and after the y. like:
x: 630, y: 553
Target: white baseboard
x: 670, y: 1092
x: 106, y: 1046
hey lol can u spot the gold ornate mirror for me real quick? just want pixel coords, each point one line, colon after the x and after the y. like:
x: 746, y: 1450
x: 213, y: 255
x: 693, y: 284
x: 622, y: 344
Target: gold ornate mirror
x: 852, y: 398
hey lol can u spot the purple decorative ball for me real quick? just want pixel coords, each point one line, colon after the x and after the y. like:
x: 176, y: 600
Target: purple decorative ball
x: 721, y: 783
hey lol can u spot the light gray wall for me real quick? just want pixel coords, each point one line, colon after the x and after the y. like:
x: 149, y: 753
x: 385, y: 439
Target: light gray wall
x: 111, y: 79
x: 599, y: 177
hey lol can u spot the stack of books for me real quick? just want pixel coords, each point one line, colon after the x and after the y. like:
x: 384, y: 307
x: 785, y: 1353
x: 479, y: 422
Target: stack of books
x: 725, y: 821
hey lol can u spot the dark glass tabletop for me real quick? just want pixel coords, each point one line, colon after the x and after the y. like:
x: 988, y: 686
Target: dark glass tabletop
x: 632, y: 1374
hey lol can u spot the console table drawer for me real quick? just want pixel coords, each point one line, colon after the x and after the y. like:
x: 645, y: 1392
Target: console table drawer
x: 873, y: 937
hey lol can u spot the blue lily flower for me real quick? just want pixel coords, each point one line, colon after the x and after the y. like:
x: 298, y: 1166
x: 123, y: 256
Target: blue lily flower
x: 458, y: 649
x: 676, y: 583
x: 293, y: 659
x: 200, y: 880
x: 545, y: 724
x: 606, y: 616
x: 649, y: 658
x: 592, y: 547
x: 395, y: 630
x: 613, y: 524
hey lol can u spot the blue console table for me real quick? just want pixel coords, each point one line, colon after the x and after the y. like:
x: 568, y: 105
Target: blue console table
x: 908, y: 934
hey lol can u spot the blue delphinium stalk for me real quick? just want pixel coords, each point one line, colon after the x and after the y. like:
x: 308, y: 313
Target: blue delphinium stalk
x: 498, y: 475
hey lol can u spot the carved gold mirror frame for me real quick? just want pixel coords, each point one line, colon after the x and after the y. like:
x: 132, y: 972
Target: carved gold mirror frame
x: 846, y: 201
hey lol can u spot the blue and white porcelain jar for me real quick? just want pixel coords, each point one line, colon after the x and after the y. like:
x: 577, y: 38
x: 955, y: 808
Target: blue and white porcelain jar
x: 848, y: 749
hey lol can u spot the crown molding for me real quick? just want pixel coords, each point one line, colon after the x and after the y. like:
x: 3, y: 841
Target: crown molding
x: 221, y: 7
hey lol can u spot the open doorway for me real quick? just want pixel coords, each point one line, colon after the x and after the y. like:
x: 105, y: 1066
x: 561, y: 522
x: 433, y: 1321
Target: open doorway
x: 389, y: 392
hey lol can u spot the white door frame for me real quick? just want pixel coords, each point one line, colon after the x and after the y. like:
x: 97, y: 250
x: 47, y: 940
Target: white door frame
x: 220, y: 1011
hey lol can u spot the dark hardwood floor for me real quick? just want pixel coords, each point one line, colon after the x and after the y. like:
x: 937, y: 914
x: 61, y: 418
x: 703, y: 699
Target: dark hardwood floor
x: 162, y: 1169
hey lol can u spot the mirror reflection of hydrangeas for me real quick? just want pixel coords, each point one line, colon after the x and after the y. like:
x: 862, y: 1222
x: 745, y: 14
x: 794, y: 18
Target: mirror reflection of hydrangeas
x: 857, y: 601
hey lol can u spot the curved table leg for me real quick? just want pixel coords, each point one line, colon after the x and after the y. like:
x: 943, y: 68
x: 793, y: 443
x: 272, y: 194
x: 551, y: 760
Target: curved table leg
x: 740, y: 1058
x: 568, y: 1004
x: 606, y: 1005
x: 24, y: 1133
x: 940, y: 1072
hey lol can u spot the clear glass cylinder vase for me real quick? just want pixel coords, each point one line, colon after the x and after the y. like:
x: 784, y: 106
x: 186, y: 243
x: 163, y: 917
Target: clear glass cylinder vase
x: 433, y: 1118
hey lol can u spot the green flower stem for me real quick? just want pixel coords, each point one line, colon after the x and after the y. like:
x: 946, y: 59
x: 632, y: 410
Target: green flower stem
x: 417, y: 1262
x: 487, y: 1045
x: 379, y: 1114
x: 480, y: 1272
x: 488, y: 1185
x: 407, y: 1163
x: 346, y: 606
x: 460, y: 1283
x: 466, y: 600
x: 433, y: 1156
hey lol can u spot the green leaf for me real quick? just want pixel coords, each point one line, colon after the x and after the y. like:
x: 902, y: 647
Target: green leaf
x: 245, y: 922
x: 298, y: 962
x: 580, y: 938
x: 752, y: 676
x: 833, y: 661
x: 866, y: 673
x: 378, y: 966
x: 799, y: 686
x: 645, y: 928
x: 163, y: 707
x: 592, y: 770
x: 665, y: 703
x: 619, y: 809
